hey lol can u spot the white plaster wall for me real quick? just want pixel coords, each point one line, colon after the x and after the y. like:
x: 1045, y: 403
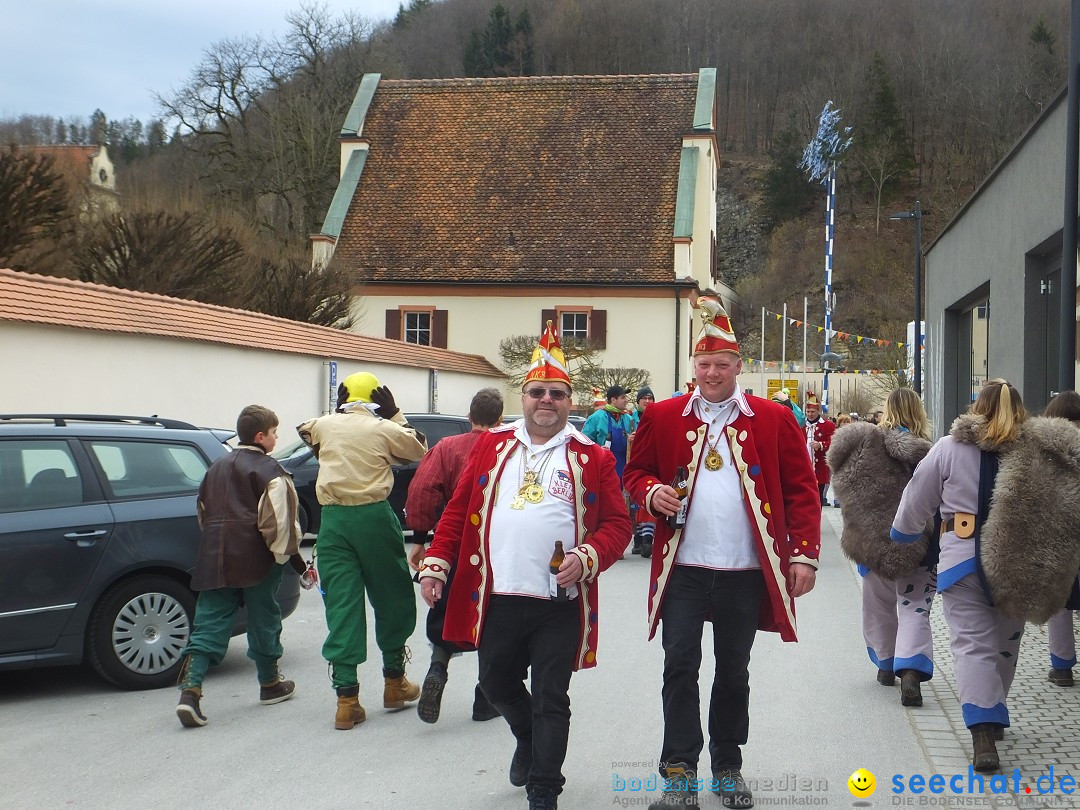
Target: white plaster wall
x: 640, y: 331
x: 46, y: 369
x: 704, y: 211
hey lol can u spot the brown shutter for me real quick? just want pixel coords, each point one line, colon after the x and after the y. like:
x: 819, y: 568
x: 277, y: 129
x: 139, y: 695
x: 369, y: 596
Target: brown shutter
x: 438, y: 328
x: 393, y: 324
x: 598, y: 328
x: 548, y: 315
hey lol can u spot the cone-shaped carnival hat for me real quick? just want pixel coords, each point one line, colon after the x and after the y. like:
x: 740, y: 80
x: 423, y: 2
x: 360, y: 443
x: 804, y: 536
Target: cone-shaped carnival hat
x: 716, y: 333
x: 548, y: 361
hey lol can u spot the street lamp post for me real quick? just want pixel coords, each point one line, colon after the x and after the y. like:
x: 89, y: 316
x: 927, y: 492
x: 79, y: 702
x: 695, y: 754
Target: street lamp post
x: 916, y: 215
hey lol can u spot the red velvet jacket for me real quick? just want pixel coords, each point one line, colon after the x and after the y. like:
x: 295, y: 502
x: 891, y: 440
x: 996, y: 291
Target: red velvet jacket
x: 780, y: 494
x: 823, y: 432
x: 462, y: 537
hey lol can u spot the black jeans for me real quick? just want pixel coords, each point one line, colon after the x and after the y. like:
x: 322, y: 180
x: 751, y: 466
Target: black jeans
x: 522, y: 632
x: 732, y: 600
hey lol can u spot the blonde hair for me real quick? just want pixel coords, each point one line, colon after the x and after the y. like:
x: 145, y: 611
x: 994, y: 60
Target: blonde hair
x: 1000, y: 403
x: 843, y: 419
x: 904, y: 409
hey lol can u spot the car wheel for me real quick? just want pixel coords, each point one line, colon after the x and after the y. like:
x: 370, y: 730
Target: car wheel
x: 137, y: 631
x: 305, y: 520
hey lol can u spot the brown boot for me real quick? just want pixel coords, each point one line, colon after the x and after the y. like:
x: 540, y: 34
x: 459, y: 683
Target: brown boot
x: 398, y: 691
x: 349, y: 711
x: 985, y: 756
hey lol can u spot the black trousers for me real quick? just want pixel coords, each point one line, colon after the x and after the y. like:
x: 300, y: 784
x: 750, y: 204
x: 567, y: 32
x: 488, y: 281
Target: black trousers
x: 436, y: 618
x: 520, y: 633
x: 732, y: 600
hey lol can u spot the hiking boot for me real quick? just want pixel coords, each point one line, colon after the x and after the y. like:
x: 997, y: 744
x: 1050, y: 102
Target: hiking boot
x: 481, y: 708
x: 886, y: 677
x: 398, y: 690
x: 910, y: 690
x: 349, y: 711
x: 999, y: 732
x: 985, y: 755
x: 277, y: 692
x: 521, y: 764
x: 1061, y: 677
x: 543, y: 798
x: 431, y: 695
x: 730, y: 786
x: 188, y: 710
x: 679, y: 788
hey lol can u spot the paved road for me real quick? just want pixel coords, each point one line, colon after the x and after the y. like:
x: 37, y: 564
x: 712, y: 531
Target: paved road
x: 817, y: 715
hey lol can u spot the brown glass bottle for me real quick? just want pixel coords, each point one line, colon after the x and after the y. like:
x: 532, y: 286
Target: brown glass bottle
x: 682, y: 488
x: 557, y: 558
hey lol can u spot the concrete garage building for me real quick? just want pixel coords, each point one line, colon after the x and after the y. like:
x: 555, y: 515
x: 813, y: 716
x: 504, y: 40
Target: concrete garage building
x: 993, y: 279
x: 72, y: 347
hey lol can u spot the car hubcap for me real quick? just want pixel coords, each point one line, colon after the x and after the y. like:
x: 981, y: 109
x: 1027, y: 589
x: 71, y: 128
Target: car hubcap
x: 149, y: 633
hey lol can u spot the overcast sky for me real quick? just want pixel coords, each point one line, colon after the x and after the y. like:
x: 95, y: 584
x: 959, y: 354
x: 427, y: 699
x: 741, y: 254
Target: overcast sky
x: 70, y: 57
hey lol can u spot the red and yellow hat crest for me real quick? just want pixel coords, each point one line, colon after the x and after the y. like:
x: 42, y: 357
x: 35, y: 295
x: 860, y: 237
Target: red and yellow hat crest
x: 717, y: 334
x: 548, y: 361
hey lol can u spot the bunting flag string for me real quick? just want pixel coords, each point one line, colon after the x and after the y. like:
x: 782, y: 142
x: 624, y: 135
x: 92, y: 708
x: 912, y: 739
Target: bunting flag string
x: 794, y: 368
x: 837, y: 334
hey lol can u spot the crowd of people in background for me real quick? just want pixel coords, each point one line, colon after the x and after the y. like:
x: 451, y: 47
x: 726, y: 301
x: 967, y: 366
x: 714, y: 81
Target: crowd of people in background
x: 512, y: 524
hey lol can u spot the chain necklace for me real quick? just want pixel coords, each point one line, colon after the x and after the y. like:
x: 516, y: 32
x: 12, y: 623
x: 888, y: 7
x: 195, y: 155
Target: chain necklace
x: 531, y: 489
x: 713, y: 460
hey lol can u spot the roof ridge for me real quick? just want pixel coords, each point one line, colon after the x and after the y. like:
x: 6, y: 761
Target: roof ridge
x: 525, y: 80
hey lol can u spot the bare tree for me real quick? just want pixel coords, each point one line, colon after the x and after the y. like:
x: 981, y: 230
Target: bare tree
x: 33, y: 201
x: 515, y: 354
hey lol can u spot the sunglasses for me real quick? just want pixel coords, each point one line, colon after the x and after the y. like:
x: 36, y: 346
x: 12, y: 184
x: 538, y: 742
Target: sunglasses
x: 557, y: 394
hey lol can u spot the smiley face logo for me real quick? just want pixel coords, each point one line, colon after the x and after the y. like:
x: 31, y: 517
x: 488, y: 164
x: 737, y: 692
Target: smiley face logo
x: 862, y: 784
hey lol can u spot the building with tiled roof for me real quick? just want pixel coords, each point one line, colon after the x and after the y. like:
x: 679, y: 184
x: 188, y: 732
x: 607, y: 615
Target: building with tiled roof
x: 88, y: 172
x: 75, y: 346
x: 472, y: 210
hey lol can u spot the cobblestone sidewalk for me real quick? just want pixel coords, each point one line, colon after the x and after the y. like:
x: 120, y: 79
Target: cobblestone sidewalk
x: 1045, y: 729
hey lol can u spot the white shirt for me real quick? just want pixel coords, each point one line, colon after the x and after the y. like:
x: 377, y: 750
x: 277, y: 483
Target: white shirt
x: 717, y: 533
x: 522, y: 540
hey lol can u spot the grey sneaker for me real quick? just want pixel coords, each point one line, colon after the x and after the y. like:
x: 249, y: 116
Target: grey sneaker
x: 188, y: 710
x: 730, y: 786
x: 680, y: 788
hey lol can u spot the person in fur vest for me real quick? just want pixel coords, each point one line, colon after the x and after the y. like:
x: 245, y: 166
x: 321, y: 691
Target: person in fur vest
x: 999, y: 566
x: 871, y: 464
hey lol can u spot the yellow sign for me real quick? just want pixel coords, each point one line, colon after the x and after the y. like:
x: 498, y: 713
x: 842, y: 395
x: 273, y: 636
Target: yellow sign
x: 862, y: 784
x: 774, y: 384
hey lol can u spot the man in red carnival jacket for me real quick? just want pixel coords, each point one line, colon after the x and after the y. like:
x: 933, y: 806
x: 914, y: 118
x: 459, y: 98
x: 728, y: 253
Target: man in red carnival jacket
x: 748, y: 546
x: 819, y: 433
x: 525, y: 487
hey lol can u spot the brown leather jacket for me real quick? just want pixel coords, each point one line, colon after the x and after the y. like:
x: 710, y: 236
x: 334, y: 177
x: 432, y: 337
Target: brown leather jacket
x: 241, y: 521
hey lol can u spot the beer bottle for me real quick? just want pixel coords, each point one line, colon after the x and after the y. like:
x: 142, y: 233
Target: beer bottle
x: 557, y: 558
x: 681, y: 486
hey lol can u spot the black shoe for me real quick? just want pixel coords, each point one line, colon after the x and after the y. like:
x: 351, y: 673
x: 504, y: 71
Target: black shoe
x: 431, y: 694
x: 679, y: 788
x: 646, y: 548
x: 481, y: 708
x: 188, y: 710
x: 730, y: 786
x: 543, y: 798
x: 521, y: 764
x: 910, y: 691
x: 1061, y: 677
x: 886, y: 677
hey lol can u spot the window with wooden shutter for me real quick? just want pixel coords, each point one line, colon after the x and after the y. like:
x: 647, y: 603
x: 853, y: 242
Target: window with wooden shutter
x: 439, y: 324
x: 393, y: 324
x: 545, y: 316
x: 598, y: 329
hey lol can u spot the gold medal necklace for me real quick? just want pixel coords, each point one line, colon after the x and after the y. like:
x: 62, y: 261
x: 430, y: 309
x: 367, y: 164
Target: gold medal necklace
x: 713, y: 460
x: 531, y: 489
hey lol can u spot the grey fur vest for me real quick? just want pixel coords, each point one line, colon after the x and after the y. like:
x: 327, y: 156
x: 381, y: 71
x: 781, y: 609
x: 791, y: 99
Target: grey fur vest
x: 1030, y: 543
x: 870, y: 468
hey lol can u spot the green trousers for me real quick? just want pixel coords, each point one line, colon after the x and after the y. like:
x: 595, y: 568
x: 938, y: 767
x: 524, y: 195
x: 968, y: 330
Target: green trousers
x: 215, y: 615
x: 361, y: 549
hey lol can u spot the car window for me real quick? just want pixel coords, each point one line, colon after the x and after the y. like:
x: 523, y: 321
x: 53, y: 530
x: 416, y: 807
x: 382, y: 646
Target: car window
x: 291, y: 451
x: 136, y: 469
x: 37, y: 474
x: 436, y: 429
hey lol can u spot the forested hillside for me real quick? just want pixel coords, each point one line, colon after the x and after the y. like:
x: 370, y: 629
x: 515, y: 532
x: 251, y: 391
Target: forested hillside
x: 934, y: 92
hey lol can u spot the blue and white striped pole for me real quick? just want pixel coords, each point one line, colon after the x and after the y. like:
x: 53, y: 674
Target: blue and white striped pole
x: 830, y: 222
x: 819, y: 160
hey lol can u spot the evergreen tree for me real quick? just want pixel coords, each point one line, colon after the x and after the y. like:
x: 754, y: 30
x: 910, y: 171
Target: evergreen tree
x: 788, y: 193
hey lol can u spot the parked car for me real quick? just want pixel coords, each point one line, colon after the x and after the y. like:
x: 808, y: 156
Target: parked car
x: 298, y: 459
x: 573, y: 420
x: 98, y: 540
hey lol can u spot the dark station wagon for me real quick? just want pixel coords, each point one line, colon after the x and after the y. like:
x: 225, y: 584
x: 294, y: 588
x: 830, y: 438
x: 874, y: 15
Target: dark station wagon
x: 98, y: 539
